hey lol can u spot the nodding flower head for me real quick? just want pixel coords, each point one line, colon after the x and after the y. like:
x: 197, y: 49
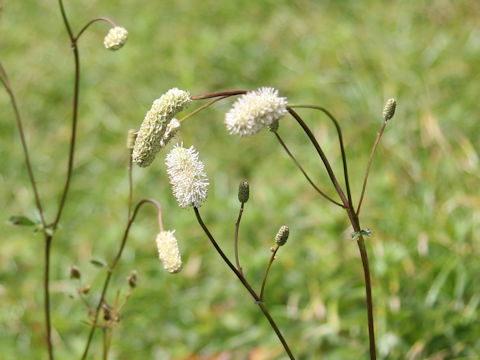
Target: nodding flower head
x: 150, y: 137
x: 116, y: 38
x: 187, y: 176
x: 254, y: 110
x: 168, y: 251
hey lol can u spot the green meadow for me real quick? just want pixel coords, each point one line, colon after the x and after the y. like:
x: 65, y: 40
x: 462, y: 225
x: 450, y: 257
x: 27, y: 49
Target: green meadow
x: 422, y: 202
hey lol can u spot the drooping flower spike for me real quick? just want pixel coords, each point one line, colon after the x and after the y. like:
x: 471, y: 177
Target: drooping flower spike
x: 116, y: 38
x: 150, y: 138
x: 168, y: 251
x: 255, y: 110
x: 187, y: 176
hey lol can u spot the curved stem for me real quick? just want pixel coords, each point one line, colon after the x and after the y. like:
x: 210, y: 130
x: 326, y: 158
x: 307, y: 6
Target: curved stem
x: 6, y: 83
x: 370, y: 160
x: 219, y: 93
x: 245, y: 284
x: 112, y: 266
x: 264, y: 282
x: 303, y: 171
x: 75, y: 39
x: 237, y: 227
x: 322, y: 155
x: 202, y: 107
x: 340, y: 139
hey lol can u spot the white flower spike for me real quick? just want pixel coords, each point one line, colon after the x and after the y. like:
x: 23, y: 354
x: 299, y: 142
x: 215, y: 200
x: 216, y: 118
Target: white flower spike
x: 150, y: 138
x: 187, y: 176
x: 168, y: 251
x: 255, y: 110
x: 116, y: 38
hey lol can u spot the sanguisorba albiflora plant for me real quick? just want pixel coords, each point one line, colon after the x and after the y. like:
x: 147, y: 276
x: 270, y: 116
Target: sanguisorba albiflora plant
x: 250, y: 113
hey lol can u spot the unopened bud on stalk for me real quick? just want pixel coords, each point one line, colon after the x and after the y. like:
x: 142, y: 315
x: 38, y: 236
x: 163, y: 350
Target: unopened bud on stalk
x: 116, y: 38
x: 74, y: 272
x: 132, y: 279
x: 132, y: 135
x: 243, y: 191
x: 389, y: 109
x: 282, y: 235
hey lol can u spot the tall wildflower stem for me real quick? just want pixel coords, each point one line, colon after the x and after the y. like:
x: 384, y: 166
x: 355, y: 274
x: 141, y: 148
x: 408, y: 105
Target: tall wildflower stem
x: 114, y: 263
x: 245, y: 283
x: 370, y: 160
x: 340, y: 140
x: 354, y: 221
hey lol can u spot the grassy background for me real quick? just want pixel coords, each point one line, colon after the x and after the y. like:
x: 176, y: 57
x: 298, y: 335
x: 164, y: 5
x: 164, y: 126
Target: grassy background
x: 350, y: 56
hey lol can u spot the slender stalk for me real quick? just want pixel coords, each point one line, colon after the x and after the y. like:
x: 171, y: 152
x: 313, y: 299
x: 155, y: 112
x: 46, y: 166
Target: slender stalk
x: 202, y: 107
x: 303, y: 171
x: 356, y: 226
x: 237, y: 227
x: 18, y: 118
x: 340, y: 140
x: 130, y: 183
x: 219, y: 93
x: 245, y: 283
x: 90, y: 23
x: 322, y: 155
x: 112, y: 266
x: 264, y: 282
x: 370, y: 160
x: 46, y: 295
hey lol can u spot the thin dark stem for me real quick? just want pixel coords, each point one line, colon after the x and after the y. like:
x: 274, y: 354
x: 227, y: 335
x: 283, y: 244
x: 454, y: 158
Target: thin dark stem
x: 105, y: 344
x: 72, y: 136
x: 322, y: 155
x: 202, y: 107
x: 237, y: 227
x: 219, y: 93
x: 6, y: 83
x: 90, y: 23
x: 303, y: 171
x: 112, y: 266
x: 46, y: 294
x: 245, y: 284
x: 370, y: 160
x: 264, y: 282
x: 340, y: 139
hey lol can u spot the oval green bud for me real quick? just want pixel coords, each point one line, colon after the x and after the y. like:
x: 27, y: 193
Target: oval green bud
x: 282, y: 235
x: 243, y: 191
x: 389, y: 109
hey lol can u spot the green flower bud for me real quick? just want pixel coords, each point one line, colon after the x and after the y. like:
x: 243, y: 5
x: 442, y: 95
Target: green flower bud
x: 243, y: 191
x: 389, y: 109
x: 282, y: 235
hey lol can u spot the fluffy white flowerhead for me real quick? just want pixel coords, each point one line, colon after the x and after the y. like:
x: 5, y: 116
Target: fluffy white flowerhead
x: 168, y: 251
x: 187, y: 176
x: 116, y: 38
x: 254, y: 110
x: 150, y: 138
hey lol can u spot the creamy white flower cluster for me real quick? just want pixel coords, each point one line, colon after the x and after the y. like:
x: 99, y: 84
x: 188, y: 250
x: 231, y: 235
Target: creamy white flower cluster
x: 168, y: 251
x: 254, y: 110
x: 154, y: 132
x: 116, y: 38
x: 187, y: 176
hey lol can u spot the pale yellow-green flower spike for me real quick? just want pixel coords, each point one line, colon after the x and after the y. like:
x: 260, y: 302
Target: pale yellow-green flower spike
x: 150, y: 138
x: 168, y: 251
x: 116, y: 38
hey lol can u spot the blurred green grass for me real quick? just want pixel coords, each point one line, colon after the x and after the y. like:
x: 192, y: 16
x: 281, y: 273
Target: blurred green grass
x: 422, y: 200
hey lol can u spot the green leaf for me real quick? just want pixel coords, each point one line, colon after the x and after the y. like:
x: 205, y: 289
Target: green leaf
x: 19, y: 220
x: 98, y: 263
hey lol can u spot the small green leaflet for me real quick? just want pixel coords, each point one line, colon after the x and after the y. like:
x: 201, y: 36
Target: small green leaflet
x: 19, y: 220
x: 356, y: 234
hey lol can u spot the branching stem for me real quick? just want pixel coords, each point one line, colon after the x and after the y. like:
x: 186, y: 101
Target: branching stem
x: 245, y: 283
